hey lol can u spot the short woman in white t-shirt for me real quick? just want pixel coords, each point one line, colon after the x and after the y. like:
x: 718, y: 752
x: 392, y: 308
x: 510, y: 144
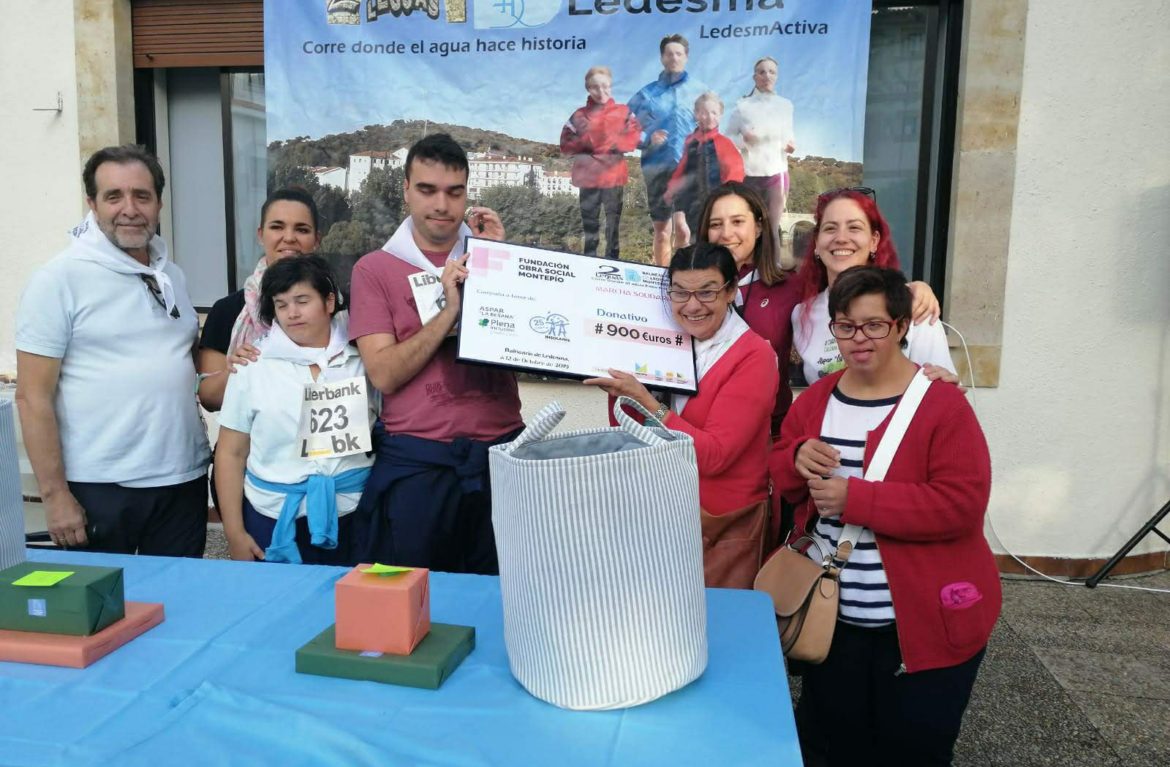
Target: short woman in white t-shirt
x: 851, y: 231
x: 278, y: 504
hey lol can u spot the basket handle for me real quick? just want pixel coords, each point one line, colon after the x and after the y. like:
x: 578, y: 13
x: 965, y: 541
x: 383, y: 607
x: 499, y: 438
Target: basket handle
x: 634, y: 428
x: 540, y: 426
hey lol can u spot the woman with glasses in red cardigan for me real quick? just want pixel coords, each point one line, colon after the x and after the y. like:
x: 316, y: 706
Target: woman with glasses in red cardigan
x: 727, y: 418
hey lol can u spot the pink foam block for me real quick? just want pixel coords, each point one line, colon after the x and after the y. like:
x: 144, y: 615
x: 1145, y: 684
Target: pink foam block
x: 383, y: 613
x: 79, y: 651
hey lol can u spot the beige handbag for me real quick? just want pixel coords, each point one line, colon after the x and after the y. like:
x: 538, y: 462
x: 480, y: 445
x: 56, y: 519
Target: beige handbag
x: 805, y: 592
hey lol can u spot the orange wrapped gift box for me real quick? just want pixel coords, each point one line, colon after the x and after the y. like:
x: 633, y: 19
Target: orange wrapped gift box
x: 79, y: 651
x: 383, y: 613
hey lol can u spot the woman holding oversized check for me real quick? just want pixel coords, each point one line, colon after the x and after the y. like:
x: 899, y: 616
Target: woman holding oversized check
x: 728, y: 418
x: 291, y: 460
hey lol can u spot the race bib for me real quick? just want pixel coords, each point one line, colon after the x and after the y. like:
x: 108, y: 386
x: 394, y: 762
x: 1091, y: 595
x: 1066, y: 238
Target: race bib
x: 335, y: 419
x: 428, y: 296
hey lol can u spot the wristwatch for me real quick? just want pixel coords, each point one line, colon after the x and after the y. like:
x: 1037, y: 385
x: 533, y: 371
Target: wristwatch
x: 661, y: 412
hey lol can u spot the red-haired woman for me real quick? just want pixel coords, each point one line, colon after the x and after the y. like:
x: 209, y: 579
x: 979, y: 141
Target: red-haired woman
x: 851, y: 231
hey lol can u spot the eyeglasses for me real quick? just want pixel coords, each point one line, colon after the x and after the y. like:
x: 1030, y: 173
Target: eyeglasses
x: 867, y: 191
x: 706, y: 296
x: 156, y: 292
x: 873, y: 330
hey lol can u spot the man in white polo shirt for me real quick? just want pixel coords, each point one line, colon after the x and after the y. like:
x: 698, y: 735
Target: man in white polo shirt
x: 105, y: 337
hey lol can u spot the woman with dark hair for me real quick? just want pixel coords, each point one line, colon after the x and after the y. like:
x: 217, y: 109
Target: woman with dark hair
x: 735, y: 217
x: 289, y: 226
x: 277, y: 504
x: 728, y: 418
x: 919, y: 592
x: 851, y: 231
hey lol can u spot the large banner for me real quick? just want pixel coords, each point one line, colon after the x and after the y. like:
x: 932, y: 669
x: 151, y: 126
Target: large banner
x: 350, y: 85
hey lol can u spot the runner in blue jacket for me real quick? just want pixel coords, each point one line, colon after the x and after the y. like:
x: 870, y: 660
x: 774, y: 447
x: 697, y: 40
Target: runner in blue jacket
x: 665, y: 110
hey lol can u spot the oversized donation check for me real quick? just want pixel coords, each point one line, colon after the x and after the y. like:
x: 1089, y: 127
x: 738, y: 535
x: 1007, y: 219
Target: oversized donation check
x: 571, y: 316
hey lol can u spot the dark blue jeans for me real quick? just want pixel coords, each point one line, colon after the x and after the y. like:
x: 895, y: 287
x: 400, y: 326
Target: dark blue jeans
x: 169, y: 521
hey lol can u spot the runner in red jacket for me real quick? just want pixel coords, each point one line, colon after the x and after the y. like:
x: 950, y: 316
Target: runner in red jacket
x: 709, y: 159
x: 597, y: 136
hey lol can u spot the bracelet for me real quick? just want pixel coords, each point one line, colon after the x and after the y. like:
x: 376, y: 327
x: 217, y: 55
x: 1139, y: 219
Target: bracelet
x: 662, y: 412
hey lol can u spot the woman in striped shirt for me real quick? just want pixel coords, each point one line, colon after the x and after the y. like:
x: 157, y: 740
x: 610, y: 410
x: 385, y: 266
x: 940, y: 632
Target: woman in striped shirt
x: 920, y: 593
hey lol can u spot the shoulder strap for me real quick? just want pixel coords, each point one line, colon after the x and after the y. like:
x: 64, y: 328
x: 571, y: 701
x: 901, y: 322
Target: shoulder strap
x: 903, y: 413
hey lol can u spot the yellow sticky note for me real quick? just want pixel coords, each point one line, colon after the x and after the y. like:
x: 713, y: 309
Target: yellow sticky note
x: 43, y: 578
x: 377, y: 569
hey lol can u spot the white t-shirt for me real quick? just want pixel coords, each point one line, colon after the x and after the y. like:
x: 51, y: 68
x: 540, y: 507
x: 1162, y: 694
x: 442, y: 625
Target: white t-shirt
x: 263, y: 400
x: 125, y: 405
x: 769, y: 117
x: 927, y: 344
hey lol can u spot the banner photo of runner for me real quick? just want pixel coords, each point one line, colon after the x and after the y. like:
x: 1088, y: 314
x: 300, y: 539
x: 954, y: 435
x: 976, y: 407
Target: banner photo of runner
x: 588, y: 123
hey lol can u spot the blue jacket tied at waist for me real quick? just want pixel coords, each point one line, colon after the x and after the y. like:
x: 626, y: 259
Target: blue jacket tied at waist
x: 321, y: 491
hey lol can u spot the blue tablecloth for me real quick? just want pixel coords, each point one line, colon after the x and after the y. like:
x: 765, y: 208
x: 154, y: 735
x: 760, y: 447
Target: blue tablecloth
x: 215, y: 685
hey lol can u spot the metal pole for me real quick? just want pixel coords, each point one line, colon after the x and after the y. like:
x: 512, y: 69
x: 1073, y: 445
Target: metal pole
x: 1149, y: 527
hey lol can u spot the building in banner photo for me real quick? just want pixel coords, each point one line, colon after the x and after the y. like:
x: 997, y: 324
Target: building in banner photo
x: 485, y: 170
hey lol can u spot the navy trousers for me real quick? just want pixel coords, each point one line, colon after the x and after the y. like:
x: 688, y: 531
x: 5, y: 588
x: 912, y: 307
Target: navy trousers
x: 856, y: 709
x: 429, y: 504
x: 168, y: 521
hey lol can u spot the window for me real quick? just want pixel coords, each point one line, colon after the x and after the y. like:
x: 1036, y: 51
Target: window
x: 909, y: 127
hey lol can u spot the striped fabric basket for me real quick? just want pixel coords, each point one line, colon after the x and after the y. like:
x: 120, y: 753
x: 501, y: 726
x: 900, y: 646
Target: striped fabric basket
x: 11, y: 500
x: 601, y: 564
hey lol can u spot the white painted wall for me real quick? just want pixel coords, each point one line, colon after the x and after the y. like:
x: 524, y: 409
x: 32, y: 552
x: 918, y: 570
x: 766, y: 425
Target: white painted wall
x: 1079, y: 426
x: 41, y: 198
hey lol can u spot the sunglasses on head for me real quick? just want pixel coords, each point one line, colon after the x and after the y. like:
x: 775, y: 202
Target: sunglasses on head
x: 867, y: 191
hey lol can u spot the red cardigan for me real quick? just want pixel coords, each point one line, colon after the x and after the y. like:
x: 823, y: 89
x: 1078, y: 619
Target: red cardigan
x: 927, y: 517
x: 767, y: 309
x: 728, y: 420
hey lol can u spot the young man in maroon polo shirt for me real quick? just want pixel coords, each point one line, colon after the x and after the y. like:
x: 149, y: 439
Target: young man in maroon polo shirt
x: 428, y: 499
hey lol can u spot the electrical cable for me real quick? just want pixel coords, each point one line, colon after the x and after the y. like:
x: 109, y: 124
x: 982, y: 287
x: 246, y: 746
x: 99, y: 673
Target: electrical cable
x: 991, y: 522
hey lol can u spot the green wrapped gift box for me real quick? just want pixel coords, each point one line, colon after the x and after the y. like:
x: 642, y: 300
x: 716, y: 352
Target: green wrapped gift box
x: 433, y: 660
x: 80, y: 604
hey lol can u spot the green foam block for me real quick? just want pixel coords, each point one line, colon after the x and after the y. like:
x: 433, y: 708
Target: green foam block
x: 436, y: 658
x: 80, y: 604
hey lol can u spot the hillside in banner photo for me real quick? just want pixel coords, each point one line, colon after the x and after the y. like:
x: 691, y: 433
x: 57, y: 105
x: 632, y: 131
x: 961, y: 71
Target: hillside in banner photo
x: 356, y: 179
